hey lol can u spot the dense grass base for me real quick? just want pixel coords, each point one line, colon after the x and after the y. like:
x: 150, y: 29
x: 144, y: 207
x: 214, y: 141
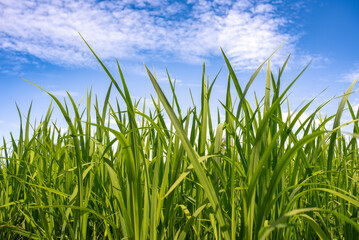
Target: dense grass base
x: 256, y: 175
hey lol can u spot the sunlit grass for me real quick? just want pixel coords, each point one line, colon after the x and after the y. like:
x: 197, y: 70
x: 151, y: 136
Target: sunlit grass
x: 256, y: 175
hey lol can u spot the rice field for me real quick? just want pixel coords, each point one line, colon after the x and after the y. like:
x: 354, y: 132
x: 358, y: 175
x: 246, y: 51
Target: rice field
x: 256, y: 175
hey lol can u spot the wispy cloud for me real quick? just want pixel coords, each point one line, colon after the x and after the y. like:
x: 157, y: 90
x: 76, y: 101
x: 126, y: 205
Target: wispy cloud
x: 350, y: 76
x: 12, y: 62
x: 63, y: 93
x: 247, y: 31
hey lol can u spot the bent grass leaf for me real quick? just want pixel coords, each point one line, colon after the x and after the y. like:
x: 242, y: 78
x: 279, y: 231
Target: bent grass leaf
x: 193, y: 156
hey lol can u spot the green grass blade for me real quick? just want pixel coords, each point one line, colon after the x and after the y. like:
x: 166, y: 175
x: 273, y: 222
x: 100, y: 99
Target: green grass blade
x: 193, y: 156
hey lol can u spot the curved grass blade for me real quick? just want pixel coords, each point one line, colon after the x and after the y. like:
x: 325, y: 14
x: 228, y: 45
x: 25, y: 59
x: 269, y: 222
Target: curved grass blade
x: 193, y: 156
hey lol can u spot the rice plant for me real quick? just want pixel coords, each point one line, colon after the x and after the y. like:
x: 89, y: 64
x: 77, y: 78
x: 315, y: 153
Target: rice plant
x: 256, y: 175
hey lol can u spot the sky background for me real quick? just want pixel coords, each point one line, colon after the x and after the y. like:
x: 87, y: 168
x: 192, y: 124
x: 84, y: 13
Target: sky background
x: 39, y: 41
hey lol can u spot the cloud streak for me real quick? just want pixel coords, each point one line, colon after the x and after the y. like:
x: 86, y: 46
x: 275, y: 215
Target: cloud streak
x: 129, y: 29
x: 350, y: 76
x: 63, y: 93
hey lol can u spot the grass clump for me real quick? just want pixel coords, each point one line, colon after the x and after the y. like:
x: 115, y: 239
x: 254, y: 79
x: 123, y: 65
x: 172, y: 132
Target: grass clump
x: 257, y: 175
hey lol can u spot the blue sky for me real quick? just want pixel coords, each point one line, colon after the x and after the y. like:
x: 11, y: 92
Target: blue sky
x: 39, y: 41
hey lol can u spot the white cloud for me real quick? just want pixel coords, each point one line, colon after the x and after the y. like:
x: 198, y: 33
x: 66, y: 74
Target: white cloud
x: 161, y: 75
x: 350, y: 76
x: 63, y: 93
x: 317, y: 61
x: 263, y: 8
x: 250, y: 38
x: 145, y: 29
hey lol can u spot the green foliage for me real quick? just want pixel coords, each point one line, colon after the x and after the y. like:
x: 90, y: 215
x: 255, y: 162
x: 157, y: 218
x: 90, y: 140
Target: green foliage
x: 257, y: 175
